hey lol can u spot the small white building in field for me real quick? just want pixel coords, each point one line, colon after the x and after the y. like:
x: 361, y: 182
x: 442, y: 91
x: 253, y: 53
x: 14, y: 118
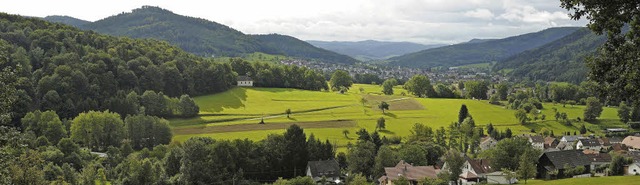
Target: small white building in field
x: 245, y: 81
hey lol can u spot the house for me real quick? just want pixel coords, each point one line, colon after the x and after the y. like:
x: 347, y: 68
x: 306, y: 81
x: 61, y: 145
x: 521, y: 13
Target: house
x: 615, y: 140
x: 537, y: 142
x: 619, y: 148
x: 328, y: 169
x: 412, y: 173
x: 599, y: 160
x: 563, y: 145
x: 633, y: 169
x: 570, y: 139
x: 588, y: 144
x: 549, y: 162
x: 499, y: 178
x: 245, y: 81
x: 488, y: 143
x: 473, y: 170
x: 550, y: 142
x: 632, y: 142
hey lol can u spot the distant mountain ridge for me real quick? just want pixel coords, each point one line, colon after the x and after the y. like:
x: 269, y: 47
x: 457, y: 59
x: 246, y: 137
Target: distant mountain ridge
x: 560, y: 60
x: 66, y: 20
x: 480, y: 51
x: 203, y: 37
x: 370, y: 49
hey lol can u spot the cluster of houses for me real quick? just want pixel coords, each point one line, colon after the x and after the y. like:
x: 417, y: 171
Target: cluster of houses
x: 453, y: 75
x: 593, y: 154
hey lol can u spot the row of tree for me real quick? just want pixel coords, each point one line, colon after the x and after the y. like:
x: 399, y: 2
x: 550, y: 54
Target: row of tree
x: 269, y: 75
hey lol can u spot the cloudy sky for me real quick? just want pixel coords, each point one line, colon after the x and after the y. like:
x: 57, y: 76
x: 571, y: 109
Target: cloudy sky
x: 421, y: 21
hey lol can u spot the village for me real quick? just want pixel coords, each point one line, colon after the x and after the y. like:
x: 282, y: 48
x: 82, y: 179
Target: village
x: 573, y: 155
x: 437, y: 75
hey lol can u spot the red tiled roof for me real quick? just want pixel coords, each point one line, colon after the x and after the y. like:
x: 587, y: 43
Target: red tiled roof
x: 410, y: 172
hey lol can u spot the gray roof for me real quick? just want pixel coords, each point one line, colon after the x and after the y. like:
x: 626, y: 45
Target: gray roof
x: 537, y: 139
x: 572, y: 158
x: 590, y: 142
x: 244, y: 78
x: 570, y: 138
x: 328, y: 168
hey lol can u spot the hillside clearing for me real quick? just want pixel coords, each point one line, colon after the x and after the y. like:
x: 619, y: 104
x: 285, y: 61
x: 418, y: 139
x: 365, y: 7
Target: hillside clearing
x: 235, y: 114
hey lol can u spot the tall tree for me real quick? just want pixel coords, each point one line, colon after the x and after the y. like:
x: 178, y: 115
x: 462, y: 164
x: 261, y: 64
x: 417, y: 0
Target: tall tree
x: 98, y: 130
x: 526, y: 166
x: 624, y: 112
x: 147, y: 131
x: 297, y: 149
x: 380, y: 124
x: 46, y: 124
x: 463, y: 113
x: 340, y: 79
x: 383, y: 106
x: 521, y: 115
x: 387, y: 86
x: 477, y: 89
x: 420, y: 85
x: 614, y: 67
x: 385, y: 158
x: 360, y: 158
x: 593, y: 109
x: 454, y: 161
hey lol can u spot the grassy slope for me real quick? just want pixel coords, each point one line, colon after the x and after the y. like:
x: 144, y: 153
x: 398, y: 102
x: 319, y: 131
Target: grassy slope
x: 617, y: 180
x: 248, y: 105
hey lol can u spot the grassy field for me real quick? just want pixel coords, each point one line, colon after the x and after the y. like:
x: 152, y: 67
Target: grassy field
x: 617, y: 180
x: 235, y: 114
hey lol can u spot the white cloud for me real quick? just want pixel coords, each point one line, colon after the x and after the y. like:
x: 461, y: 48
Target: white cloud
x: 480, y: 13
x: 424, y: 21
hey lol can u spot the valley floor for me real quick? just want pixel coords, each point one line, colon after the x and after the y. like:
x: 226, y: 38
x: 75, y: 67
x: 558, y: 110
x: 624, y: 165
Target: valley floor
x: 236, y: 114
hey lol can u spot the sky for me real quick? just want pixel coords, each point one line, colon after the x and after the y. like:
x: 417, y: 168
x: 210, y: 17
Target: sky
x: 420, y: 21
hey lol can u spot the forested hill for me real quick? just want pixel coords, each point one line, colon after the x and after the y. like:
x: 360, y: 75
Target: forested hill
x: 203, y: 37
x: 371, y: 49
x: 292, y: 46
x: 66, y: 20
x: 480, y: 52
x: 561, y: 60
x: 51, y: 66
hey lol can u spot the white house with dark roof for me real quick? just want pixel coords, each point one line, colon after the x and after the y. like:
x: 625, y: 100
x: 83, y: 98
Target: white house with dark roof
x: 329, y: 170
x: 588, y: 144
x: 245, y: 81
x: 537, y: 142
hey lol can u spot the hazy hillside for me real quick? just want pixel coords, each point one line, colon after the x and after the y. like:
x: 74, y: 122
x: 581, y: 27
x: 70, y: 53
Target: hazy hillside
x: 370, y: 49
x: 66, y: 20
x: 292, y: 46
x: 480, y: 52
x: 561, y: 60
x: 203, y: 37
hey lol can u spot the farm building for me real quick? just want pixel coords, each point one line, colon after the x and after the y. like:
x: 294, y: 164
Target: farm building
x: 245, y: 81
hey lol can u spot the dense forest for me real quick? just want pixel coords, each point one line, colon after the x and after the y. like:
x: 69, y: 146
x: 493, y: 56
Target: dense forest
x: 69, y: 71
x: 561, y: 60
x: 480, y: 52
x: 79, y: 107
x: 203, y: 37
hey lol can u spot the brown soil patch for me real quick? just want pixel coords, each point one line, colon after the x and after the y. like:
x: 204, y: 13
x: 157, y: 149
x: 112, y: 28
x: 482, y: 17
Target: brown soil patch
x: 267, y: 126
x: 395, y: 102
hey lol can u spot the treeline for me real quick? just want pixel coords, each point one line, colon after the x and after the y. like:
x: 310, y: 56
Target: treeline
x: 27, y: 160
x: 60, y: 68
x: 269, y: 75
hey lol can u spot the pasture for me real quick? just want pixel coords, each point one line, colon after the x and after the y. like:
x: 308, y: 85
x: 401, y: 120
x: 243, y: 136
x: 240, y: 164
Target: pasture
x: 621, y: 180
x: 236, y: 114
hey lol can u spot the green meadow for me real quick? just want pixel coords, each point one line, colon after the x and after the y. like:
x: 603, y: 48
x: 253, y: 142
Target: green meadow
x: 236, y: 114
x: 619, y: 180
